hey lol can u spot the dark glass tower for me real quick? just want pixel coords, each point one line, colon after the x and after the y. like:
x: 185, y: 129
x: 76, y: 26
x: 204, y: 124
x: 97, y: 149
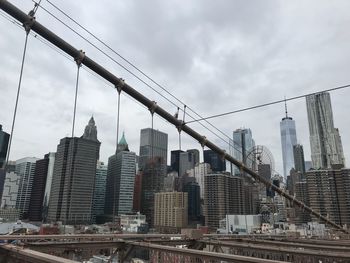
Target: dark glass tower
x: 217, y: 164
x: 4, y: 140
x: 74, y: 177
x: 38, y: 189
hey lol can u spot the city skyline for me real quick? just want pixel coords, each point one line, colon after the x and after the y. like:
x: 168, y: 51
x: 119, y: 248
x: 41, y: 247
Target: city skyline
x: 262, y: 84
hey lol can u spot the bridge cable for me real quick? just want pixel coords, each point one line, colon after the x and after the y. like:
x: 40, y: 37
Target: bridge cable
x: 27, y: 26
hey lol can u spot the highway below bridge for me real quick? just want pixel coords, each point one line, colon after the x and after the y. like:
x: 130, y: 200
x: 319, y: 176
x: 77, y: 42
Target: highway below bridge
x: 172, y: 248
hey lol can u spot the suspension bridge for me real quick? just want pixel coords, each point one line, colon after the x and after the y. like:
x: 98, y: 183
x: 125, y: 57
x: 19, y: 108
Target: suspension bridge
x: 161, y: 247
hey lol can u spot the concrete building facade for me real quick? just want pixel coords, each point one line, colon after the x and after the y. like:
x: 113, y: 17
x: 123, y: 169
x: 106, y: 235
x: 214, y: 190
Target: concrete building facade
x: 170, y: 211
x: 223, y: 195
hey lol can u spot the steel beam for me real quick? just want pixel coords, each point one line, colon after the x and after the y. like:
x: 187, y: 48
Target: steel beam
x: 31, y: 256
x: 201, y: 254
x: 152, y: 105
x: 268, y: 248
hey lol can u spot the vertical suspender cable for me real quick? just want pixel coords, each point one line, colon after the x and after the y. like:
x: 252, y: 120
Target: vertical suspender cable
x: 27, y: 28
x: 75, y: 98
x: 115, y: 182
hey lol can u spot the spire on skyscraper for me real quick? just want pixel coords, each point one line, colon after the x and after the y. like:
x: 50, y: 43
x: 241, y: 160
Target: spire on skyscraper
x: 122, y: 144
x: 285, y: 106
x: 90, y: 132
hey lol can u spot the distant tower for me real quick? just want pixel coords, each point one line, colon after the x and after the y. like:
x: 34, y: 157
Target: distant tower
x: 242, y: 143
x: 74, y: 178
x: 325, y: 141
x: 120, y: 180
x: 288, y: 140
x: 299, y: 161
x: 4, y: 139
x: 98, y: 203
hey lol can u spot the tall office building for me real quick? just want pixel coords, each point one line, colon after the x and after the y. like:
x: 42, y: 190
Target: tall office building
x: 181, y: 161
x: 199, y: 172
x: 48, y: 184
x: 175, y: 160
x: 170, y: 211
x: 242, y: 143
x: 74, y: 178
x: 195, y: 155
x: 120, y: 181
x: 328, y: 192
x: 288, y: 140
x: 4, y: 139
x: 223, y: 195
x: 194, y: 201
x: 98, y: 203
x: 187, y: 162
x: 217, y: 164
x: 153, y: 143
x: 25, y: 169
x: 38, y: 189
x: 299, y: 161
x: 325, y: 141
x: 152, y: 182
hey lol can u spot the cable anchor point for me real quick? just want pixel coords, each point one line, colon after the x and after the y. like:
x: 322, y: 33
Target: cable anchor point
x: 119, y: 86
x: 153, y: 107
x: 204, y: 141
x: 80, y: 58
x: 28, y: 24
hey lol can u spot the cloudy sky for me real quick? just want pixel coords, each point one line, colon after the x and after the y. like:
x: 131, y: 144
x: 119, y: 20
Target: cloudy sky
x: 215, y: 56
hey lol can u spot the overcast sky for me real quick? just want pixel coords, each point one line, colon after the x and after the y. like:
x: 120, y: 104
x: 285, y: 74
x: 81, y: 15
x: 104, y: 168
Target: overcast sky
x: 216, y: 56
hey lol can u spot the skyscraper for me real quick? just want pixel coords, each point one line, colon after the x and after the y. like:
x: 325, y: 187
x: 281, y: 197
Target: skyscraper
x: 242, y: 143
x: 74, y: 178
x: 152, y: 182
x: 217, y: 164
x: 38, y: 190
x: 4, y: 139
x: 25, y: 169
x: 153, y: 143
x: 288, y: 140
x: 48, y: 184
x: 299, y: 161
x: 325, y: 141
x: 98, y: 203
x: 328, y: 192
x: 223, y: 195
x: 153, y: 163
x: 120, y: 180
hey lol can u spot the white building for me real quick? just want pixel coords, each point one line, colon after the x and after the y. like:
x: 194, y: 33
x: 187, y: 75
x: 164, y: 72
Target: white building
x: 10, y: 192
x: 240, y: 224
x: 132, y: 223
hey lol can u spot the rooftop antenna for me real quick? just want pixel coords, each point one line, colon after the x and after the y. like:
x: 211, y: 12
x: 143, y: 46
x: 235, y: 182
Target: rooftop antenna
x: 285, y: 106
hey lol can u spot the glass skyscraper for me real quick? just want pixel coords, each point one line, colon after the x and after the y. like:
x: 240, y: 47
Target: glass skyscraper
x: 325, y: 141
x: 242, y: 143
x: 120, y: 180
x: 288, y: 140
